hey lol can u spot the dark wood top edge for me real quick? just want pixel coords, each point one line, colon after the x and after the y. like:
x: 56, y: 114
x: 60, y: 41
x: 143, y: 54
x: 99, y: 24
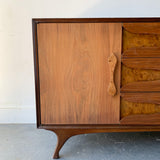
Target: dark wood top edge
x: 95, y: 20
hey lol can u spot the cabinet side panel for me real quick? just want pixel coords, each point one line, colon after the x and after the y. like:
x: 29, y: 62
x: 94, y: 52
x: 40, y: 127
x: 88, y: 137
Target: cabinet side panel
x: 74, y: 72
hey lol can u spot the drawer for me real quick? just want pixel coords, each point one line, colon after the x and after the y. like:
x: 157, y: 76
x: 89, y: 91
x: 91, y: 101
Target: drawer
x: 140, y: 80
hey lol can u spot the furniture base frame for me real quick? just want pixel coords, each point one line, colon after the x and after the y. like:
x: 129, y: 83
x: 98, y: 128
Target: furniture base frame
x: 65, y: 132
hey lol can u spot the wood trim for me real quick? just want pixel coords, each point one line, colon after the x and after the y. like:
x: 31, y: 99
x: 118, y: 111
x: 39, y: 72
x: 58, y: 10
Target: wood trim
x: 142, y: 86
x: 82, y: 129
x: 142, y: 63
x: 149, y: 119
x: 141, y: 97
x: 94, y: 20
x: 36, y: 72
x: 142, y: 52
x: 142, y: 28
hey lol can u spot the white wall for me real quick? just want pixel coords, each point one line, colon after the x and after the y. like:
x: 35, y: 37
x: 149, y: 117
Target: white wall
x: 17, y: 100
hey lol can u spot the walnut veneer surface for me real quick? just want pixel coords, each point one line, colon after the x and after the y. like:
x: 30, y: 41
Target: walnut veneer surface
x: 74, y: 72
x: 143, y: 40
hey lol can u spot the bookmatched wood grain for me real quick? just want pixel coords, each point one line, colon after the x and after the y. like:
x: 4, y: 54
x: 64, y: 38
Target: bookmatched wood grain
x: 142, y: 52
x: 130, y: 75
x: 134, y: 40
x: 144, y: 28
x: 140, y: 92
x: 74, y: 72
x: 142, y: 63
x: 134, y: 108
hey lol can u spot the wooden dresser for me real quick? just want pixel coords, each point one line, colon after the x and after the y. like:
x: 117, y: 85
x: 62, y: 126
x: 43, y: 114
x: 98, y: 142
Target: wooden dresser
x: 97, y: 75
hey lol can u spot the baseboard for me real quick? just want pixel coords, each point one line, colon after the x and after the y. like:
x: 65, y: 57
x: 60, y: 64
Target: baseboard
x: 18, y: 115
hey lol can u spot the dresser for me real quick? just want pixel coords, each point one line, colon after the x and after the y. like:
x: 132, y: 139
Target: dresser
x: 97, y: 75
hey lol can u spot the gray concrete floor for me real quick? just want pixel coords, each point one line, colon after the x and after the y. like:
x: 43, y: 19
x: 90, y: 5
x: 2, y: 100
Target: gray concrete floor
x: 25, y: 142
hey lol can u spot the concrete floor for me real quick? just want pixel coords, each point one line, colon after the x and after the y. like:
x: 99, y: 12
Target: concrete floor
x: 25, y: 142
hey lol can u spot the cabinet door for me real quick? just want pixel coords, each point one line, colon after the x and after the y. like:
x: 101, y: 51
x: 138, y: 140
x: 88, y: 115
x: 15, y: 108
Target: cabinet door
x: 74, y: 72
x: 140, y: 103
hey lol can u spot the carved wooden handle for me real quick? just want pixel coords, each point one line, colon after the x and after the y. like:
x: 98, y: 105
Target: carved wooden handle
x: 112, y: 61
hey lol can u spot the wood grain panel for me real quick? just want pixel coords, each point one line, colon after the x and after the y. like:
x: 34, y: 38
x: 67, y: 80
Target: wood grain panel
x: 142, y: 52
x: 142, y: 63
x: 146, y: 86
x: 148, y: 119
x: 133, y: 40
x: 130, y: 75
x: 74, y: 73
x: 133, y: 108
x: 153, y: 97
x: 145, y: 28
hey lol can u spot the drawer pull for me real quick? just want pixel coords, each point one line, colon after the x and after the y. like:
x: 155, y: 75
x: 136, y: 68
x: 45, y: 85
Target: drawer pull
x: 112, y: 61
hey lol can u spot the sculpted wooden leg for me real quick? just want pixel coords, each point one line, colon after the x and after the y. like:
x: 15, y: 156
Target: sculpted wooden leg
x: 64, y: 134
x: 62, y: 138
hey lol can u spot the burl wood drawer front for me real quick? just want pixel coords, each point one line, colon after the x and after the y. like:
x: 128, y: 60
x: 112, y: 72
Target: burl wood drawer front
x: 74, y: 72
x: 140, y: 91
